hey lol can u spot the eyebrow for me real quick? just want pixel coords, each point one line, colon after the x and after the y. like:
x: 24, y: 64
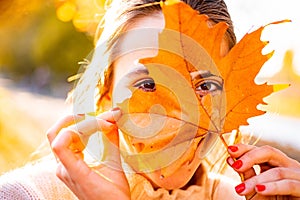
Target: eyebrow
x: 140, y: 70
x: 201, y: 74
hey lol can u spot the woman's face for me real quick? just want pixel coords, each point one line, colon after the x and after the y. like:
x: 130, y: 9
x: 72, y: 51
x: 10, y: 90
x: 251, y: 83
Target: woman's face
x: 163, y: 130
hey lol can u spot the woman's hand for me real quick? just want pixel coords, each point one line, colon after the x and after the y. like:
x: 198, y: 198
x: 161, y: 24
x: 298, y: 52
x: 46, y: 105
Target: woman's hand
x: 106, y: 181
x: 279, y: 175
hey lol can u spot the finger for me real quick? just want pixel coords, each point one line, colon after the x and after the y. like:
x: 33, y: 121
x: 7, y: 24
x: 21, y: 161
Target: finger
x: 68, y: 148
x: 112, y: 116
x: 238, y: 150
x: 68, y: 120
x: 105, y: 123
x: 62, y: 174
x: 245, y: 175
x: 282, y: 187
x: 274, y: 174
x: 72, y: 169
x: 90, y: 126
x: 68, y: 142
x: 69, y: 181
x: 261, y: 155
x: 264, y: 167
x: 111, y: 152
x: 102, y: 122
x: 62, y: 123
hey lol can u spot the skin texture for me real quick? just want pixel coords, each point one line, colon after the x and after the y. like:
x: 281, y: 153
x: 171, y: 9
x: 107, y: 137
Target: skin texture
x: 280, y: 174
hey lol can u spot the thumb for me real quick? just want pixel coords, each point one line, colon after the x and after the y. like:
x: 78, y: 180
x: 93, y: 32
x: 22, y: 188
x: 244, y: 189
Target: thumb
x: 110, y: 139
x: 110, y: 118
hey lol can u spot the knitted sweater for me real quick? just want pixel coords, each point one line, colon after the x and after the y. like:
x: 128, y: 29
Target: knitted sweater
x: 38, y: 181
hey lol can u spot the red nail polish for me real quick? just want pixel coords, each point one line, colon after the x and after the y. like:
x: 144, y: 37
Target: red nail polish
x: 237, y: 164
x: 260, y: 188
x: 240, y: 188
x: 233, y: 148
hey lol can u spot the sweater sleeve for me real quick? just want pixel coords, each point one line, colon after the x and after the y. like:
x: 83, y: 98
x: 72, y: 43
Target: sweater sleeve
x: 34, y: 181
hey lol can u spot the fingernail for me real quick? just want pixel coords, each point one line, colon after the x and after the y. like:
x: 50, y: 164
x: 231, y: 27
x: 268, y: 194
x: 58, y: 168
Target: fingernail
x: 115, y: 109
x: 237, y: 164
x: 240, y: 188
x: 260, y: 188
x: 233, y: 148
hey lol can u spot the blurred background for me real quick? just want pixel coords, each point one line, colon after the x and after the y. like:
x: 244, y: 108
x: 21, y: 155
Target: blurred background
x: 39, y: 50
x: 41, y: 43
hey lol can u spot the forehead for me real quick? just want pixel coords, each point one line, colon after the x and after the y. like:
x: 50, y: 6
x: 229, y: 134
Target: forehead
x: 139, y: 41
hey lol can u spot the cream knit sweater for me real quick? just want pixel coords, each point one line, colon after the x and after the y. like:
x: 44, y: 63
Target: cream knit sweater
x: 34, y: 181
x: 38, y: 181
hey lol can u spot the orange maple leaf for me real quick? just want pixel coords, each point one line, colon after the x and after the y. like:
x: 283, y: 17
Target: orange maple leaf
x: 238, y: 68
x: 179, y: 109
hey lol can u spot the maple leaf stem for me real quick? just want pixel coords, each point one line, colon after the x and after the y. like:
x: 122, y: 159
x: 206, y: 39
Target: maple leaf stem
x: 226, y: 146
x: 223, y: 141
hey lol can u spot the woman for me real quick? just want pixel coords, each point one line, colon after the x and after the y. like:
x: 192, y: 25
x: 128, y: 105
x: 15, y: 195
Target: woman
x: 125, y: 170
x: 136, y: 15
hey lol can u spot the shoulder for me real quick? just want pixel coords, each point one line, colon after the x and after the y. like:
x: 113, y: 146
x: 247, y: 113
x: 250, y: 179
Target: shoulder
x: 34, y: 181
x: 16, y: 190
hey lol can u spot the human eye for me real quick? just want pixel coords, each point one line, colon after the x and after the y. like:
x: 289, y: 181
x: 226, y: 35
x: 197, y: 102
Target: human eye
x: 208, y: 86
x: 146, y: 85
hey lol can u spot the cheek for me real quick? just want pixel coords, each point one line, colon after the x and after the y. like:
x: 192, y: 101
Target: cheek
x: 148, y: 115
